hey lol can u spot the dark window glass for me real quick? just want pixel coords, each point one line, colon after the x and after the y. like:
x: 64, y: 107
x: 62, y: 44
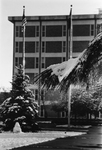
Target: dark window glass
x: 20, y: 60
x: 30, y: 47
x: 16, y: 61
x: 43, y: 62
x: 81, y: 30
x: 64, y: 46
x: 37, y: 62
x: 43, y: 31
x: 17, y: 31
x: 64, y: 30
x: 37, y: 31
x: 20, y: 47
x: 53, y: 31
x: 17, y: 46
x: 30, y: 31
x: 29, y: 63
x: 20, y: 30
x: 43, y: 46
x: 37, y: 47
x: 79, y: 46
x: 52, y: 60
x: 53, y: 47
x: 92, y: 29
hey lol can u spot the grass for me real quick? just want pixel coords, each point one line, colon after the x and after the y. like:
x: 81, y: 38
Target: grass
x: 14, y: 140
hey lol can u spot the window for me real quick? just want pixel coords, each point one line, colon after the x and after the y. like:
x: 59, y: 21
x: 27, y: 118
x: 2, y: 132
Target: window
x: 81, y: 30
x: 37, y: 62
x: 37, y: 47
x: 36, y: 31
x: 64, y: 46
x: 16, y: 61
x: 20, y: 47
x: 52, y: 60
x: 29, y: 62
x: 30, y: 31
x: 54, y: 31
x: 43, y: 62
x: 64, y: 30
x: 17, y: 31
x: 20, y: 60
x: 43, y: 47
x: 54, y: 47
x: 43, y: 31
x: 29, y: 47
x: 79, y: 46
x: 17, y: 47
x: 20, y: 31
x: 91, y: 30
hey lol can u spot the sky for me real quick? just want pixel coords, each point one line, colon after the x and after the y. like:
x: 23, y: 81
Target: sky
x: 33, y: 8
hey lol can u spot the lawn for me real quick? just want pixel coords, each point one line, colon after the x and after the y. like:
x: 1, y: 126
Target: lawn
x: 9, y: 140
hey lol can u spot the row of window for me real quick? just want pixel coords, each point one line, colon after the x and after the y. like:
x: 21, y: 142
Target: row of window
x: 33, y: 47
x: 55, y: 31
x: 30, y: 63
x: 33, y: 62
x: 33, y: 31
x: 50, y: 46
x: 30, y: 47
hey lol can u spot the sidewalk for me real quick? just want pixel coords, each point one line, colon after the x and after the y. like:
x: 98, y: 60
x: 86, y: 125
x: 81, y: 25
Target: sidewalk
x: 90, y: 141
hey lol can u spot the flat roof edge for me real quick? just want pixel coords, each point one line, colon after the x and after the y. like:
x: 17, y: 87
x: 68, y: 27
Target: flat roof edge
x: 54, y: 17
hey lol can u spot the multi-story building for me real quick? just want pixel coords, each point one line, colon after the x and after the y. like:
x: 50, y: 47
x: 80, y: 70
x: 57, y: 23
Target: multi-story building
x: 48, y: 35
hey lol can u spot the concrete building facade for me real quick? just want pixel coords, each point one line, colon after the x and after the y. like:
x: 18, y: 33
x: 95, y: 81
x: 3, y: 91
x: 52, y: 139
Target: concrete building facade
x: 49, y: 36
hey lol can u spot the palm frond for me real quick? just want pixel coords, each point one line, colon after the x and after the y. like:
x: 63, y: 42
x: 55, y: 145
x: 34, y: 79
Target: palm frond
x: 73, y: 70
x: 47, y: 79
x: 86, y: 62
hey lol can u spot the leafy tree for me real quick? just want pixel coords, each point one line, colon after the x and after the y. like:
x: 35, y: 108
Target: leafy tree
x: 83, y: 102
x: 21, y: 106
x: 86, y: 102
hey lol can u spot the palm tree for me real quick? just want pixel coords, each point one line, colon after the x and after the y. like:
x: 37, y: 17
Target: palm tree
x: 75, y: 70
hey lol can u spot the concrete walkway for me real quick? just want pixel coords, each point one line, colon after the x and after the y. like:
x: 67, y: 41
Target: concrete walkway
x: 90, y: 141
